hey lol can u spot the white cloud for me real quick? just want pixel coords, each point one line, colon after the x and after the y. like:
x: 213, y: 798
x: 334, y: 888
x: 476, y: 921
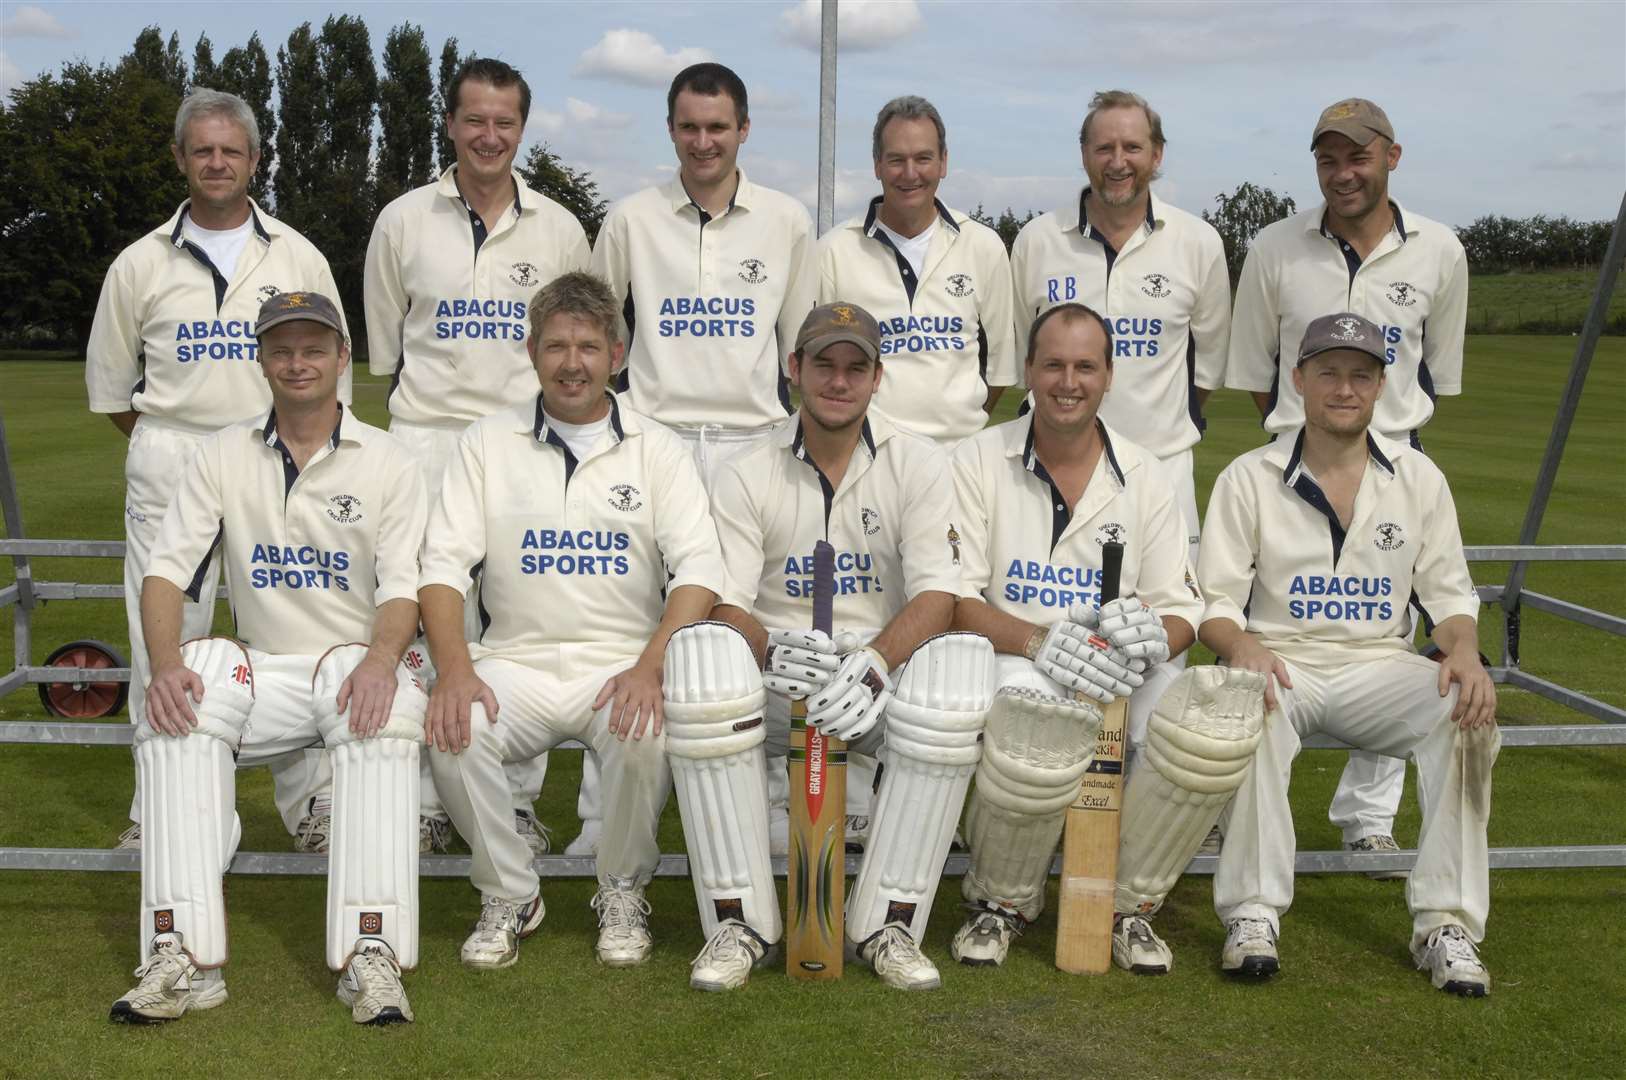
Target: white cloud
x: 31, y: 21
x: 11, y: 76
x: 861, y: 25
x: 636, y: 57
x: 586, y: 114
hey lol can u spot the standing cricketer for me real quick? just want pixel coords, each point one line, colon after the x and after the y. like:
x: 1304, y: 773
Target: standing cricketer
x: 172, y: 358
x: 1358, y: 251
x: 319, y: 517
x: 890, y: 680
x: 592, y: 525
x: 450, y: 269
x: 1314, y: 545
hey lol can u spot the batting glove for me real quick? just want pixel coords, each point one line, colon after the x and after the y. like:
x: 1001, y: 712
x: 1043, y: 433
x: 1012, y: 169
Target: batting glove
x: 799, y: 662
x: 853, y: 701
x: 1134, y: 627
x: 1082, y: 660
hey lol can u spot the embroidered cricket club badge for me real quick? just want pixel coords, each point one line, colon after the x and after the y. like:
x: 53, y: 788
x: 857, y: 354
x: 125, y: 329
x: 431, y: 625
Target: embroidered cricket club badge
x: 1348, y: 329
x: 371, y: 923
x: 1390, y: 537
x: 1156, y: 286
x: 523, y: 273
x: 843, y: 315
x: 345, y: 509
x: 959, y: 285
x: 753, y: 271
x: 1402, y: 293
x: 296, y: 300
x: 871, y: 520
x: 1110, y: 533
x: 625, y: 498
x: 954, y: 543
x: 266, y: 292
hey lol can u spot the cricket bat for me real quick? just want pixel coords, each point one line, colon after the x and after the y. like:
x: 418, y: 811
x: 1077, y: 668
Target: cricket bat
x: 1089, y: 851
x: 816, y: 917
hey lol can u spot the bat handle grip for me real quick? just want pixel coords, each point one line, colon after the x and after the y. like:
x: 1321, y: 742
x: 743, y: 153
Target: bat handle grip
x: 1112, y: 567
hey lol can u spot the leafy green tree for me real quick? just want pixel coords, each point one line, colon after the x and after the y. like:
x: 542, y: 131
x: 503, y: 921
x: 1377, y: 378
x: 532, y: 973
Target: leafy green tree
x: 1007, y: 225
x: 574, y: 189
x: 204, y: 70
x: 246, y: 72
x: 445, y: 153
x: 1239, y: 217
x: 406, y: 116
x: 300, y: 149
x: 159, y: 59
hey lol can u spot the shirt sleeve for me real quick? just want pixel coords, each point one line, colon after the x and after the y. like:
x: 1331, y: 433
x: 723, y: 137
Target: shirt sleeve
x: 829, y: 280
x: 997, y: 313
x: 1163, y: 577
x: 112, y: 357
x: 194, y: 523
x: 1440, y: 578
x: 384, y: 298
x: 454, y: 539
x: 400, y: 531
x: 739, y: 532
x: 1022, y: 305
x: 1211, y: 318
x: 1254, y: 352
x: 801, y: 292
x: 684, y: 530
x: 929, y: 510
x: 1230, y: 546
x: 972, y: 524
x: 609, y: 261
x: 1445, y: 326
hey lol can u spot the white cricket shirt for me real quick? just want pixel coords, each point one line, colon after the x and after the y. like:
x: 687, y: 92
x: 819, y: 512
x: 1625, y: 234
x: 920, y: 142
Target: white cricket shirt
x: 1276, y: 562
x: 1167, y: 296
x: 946, y: 333
x: 1025, y: 554
x: 574, y: 556
x: 174, y: 339
x: 447, y: 300
x: 310, y: 554
x: 892, y: 523
x: 1414, y: 286
x: 712, y: 304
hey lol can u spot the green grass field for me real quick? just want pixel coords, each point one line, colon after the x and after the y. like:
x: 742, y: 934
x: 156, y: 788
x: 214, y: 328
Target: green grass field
x: 1346, y: 1004
x: 1544, y: 300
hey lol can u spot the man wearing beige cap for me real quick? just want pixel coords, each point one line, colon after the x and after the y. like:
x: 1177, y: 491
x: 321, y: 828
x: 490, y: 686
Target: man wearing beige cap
x: 887, y: 674
x: 1313, y: 546
x: 1359, y: 251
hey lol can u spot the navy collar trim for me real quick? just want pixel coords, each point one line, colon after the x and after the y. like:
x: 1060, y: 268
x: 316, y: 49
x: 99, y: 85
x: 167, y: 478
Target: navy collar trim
x: 872, y: 219
x: 1400, y: 222
x: 543, y: 434
x: 866, y: 435
x: 273, y: 440
x: 1084, y: 226
x: 177, y: 239
x: 1030, y: 458
x: 1295, y: 460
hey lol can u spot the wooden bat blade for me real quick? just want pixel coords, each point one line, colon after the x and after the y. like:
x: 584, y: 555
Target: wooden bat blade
x: 1089, y: 856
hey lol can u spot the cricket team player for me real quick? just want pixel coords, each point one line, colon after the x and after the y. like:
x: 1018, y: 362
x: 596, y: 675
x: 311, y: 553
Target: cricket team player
x: 1313, y: 546
x: 892, y: 680
x: 1039, y: 496
x: 1358, y: 251
x: 171, y: 359
x: 592, y: 526
x: 713, y: 274
x: 319, y: 517
x: 450, y: 270
x: 1155, y: 272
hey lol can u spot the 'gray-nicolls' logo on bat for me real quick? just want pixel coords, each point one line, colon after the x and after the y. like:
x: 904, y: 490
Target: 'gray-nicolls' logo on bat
x: 1348, y: 329
x: 954, y: 543
x: 1389, y: 537
x: 1111, y: 533
x: 625, y: 498
x: 959, y: 285
x: 523, y: 273
x: 266, y: 292
x: 346, y: 509
x: 1157, y: 286
x: 753, y: 271
x: 1400, y: 292
x: 871, y: 520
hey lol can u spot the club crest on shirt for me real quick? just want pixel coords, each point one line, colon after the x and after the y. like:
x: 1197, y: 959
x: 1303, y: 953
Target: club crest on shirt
x: 625, y: 498
x: 753, y: 271
x: 954, y: 543
x: 1389, y: 537
x: 1400, y: 292
x: 346, y: 509
x: 1110, y: 533
x: 266, y: 292
x: 871, y: 520
x: 1157, y: 286
x: 959, y: 285
x: 523, y: 273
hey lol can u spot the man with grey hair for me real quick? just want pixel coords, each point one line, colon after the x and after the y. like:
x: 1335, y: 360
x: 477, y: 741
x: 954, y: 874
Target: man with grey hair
x: 171, y: 358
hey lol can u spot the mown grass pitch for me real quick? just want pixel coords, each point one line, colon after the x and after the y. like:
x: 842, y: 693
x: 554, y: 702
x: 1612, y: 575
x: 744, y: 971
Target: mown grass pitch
x: 1346, y: 1004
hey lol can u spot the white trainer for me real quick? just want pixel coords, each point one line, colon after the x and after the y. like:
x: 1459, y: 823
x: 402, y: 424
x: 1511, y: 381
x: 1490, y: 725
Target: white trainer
x: 778, y: 830
x: 1452, y: 962
x: 434, y: 835
x: 1250, y: 948
x: 897, y: 959
x: 371, y: 985
x: 1137, y: 948
x: 1382, y: 844
x: 532, y: 831
x: 726, y: 961
x: 494, y: 943
x: 857, y: 832
x: 129, y: 839
x: 623, y: 923
x: 170, y: 985
x: 985, y: 938
x: 315, y: 828
x: 586, y: 844
x: 1213, y: 843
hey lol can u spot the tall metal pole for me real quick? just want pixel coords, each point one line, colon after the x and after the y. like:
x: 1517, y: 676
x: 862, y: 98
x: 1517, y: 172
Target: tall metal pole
x: 827, y: 116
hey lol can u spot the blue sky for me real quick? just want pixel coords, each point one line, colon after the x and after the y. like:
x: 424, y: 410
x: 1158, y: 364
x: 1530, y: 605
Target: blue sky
x: 1513, y: 108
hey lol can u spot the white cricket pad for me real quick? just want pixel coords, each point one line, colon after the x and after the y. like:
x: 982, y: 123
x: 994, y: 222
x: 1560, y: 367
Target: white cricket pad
x: 372, y: 876
x: 1200, y: 743
x: 1035, y: 751
x: 714, y: 734
x: 189, y: 805
x: 933, y: 740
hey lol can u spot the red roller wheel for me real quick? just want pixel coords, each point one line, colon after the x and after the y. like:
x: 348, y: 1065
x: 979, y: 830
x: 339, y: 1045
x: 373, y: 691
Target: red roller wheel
x: 84, y: 700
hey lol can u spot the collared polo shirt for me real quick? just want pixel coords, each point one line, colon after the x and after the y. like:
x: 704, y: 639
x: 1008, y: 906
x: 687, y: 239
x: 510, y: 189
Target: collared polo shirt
x: 712, y: 305
x: 1414, y: 286
x: 174, y: 340
x: 1167, y: 296
x: 310, y: 553
x: 946, y: 336
x: 447, y: 300
x: 892, y: 521
x: 1276, y: 561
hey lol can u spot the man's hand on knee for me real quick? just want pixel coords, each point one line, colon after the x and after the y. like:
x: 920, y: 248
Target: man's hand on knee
x: 170, y: 695
x: 1476, y: 700
x: 447, y: 722
x: 1249, y: 655
x: 635, y: 698
x: 368, y: 692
